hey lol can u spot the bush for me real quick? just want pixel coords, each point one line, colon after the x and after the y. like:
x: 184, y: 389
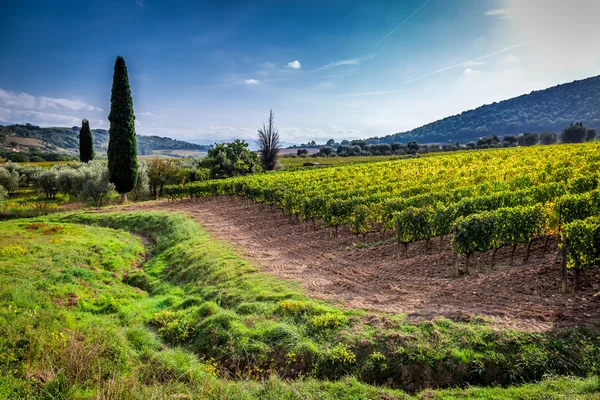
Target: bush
x: 96, y: 185
x: 548, y: 138
x: 527, y: 139
x: 142, y: 187
x: 47, y: 182
x: 9, y: 180
x: 574, y: 134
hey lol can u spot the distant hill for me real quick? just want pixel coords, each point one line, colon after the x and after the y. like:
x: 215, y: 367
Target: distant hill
x: 65, y: 140
x: 545, y: 110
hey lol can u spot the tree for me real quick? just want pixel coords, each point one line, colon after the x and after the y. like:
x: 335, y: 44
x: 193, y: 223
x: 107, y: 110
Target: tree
x: 591, y: 134
x: 86, y: 142
x: 96, y: 184
x: 268, y: 144
x: 160, y: 173
x: 122, y: 151
x: 9, y: 180
x: 488, y: 141
x: 330, y: 143
x: 326, y: 151
x: 573, y: 134
x: 302, y: 152
x: 527, y: 139
x: 230, y: 159
x: 548, y: 138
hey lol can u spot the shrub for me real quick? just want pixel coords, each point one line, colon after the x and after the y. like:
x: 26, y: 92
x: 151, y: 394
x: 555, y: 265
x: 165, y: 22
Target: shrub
x: 548, y: 138
x: 47, y: 182
x: 9, y: 180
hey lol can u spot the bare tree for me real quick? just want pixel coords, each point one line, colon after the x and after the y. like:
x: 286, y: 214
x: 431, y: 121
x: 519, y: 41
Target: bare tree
x: 268, y: 143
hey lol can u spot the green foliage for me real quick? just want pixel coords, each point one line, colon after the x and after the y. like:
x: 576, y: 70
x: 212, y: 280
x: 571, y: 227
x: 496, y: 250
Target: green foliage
x: 414, y: 224
x: 122, y: 150
x: 574, y: 134
x: 583, y: 243
x: 86, y: 142
x: 548, y: 138
x: 494, y: 229
x: 231, y: 159
x: 527, y: 139
x: 473, y: 233
x: 573, y: 207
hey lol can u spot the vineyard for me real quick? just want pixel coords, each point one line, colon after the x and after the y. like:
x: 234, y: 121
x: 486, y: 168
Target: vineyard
x: 483, y: 200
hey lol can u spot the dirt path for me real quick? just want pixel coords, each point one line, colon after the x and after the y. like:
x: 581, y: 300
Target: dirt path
x: 523, y: 296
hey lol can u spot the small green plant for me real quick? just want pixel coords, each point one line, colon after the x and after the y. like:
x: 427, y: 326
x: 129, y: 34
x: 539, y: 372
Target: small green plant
x: 342, y: 355
x: 328, y: 321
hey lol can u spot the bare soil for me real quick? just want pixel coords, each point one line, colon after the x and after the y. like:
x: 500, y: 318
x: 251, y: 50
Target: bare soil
x: 422, y: 286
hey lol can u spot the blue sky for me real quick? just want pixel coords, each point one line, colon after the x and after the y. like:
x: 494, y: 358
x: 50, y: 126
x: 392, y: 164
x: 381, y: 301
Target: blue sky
x: 337, y: 69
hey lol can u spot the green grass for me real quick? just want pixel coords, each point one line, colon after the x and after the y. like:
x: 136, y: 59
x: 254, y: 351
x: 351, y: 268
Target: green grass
x: 81, y: 318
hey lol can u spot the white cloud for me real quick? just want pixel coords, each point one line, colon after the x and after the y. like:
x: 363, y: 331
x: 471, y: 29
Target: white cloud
x: 57, y: 103
x: 471, y: 71
x: 251, y: 81
x: 140, y: 3
x: 17, y: 99
x: 294, y: 65
x: 147, y: 114
x: 500, y: 13
x: 337, y: 129
x: 512, y: 61
x: 25, y: 100
x: 45, y: 119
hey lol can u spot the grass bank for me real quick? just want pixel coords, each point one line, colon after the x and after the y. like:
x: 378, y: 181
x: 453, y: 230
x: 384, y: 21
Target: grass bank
x: 83, y: 315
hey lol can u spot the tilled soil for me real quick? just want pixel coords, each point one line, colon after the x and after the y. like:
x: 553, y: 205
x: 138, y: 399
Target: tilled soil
x: 524, y: 296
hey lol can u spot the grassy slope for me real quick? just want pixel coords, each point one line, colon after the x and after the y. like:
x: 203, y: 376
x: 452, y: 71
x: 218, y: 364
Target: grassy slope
x: 77, y: 328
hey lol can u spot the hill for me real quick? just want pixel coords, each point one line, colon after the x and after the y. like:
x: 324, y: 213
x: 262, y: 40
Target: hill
x: 65, y: 140
x: 550, y: 109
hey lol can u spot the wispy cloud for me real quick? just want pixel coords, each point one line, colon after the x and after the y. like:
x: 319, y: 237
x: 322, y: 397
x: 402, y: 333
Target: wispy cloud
x: 45, y: 119
x: 500, y: 13
x: 402, y: 23
x: 57, y: 103
x: 471, y: 72
x: 337, y: 129
x: 462, y: 64
x: 26, y: 100
x: 17, y: 99
x: 294, y: 65
x: 147, y: 114
x: 251, y: 82
x: 352, y: 61
x: 140, y: 3
x: 512, y: 61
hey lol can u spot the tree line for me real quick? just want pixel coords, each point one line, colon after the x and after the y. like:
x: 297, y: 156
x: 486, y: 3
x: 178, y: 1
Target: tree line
x: 575, y: 133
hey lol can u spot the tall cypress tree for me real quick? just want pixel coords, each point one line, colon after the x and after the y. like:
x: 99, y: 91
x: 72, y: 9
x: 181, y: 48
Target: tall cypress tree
x: 122, y: 151
x: 86, y: 142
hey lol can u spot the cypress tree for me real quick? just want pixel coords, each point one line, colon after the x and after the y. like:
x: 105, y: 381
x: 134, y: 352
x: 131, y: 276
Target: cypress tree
x: 122, y: 151
x: 86, y: 142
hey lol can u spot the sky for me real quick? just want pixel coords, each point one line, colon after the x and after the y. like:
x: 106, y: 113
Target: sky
x: 208, y: 71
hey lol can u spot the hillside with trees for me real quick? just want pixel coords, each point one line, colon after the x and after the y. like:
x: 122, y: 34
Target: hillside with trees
x: 65, y: 140
x: 548, y: 110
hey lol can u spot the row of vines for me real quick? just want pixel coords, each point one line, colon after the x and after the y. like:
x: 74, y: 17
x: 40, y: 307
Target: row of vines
x: 486, y: 200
